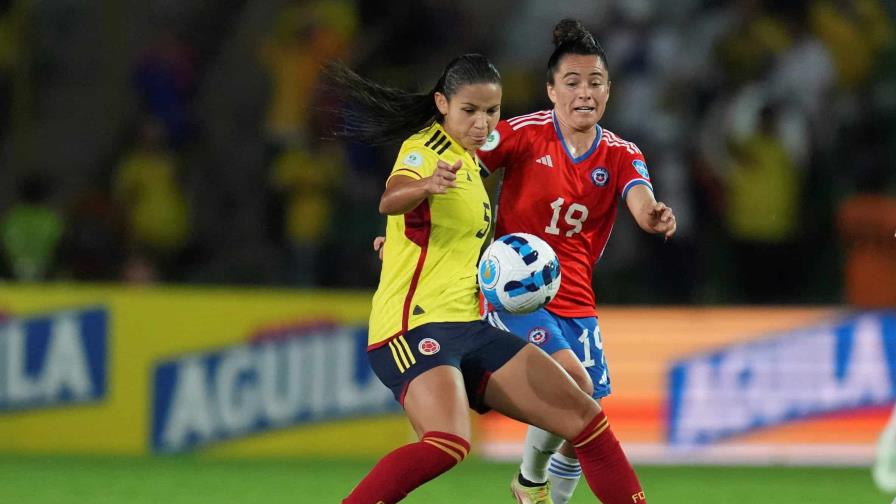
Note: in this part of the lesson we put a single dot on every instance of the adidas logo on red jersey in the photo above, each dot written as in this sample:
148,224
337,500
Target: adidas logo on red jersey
545,160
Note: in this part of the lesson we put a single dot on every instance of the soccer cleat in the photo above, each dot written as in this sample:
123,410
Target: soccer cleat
530,495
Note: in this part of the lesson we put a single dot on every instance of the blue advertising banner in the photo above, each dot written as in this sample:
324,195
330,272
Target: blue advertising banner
842,366
298,376
53,359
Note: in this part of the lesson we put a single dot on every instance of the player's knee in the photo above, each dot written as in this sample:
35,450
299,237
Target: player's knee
585,413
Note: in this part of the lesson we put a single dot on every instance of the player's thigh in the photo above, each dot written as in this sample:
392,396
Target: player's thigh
534,389
584,338
485,350
570,363
422,368
437,401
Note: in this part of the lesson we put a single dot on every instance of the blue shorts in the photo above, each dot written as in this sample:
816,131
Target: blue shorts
552,333
475,348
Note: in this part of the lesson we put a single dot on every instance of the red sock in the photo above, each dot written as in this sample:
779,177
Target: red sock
606,469
408,467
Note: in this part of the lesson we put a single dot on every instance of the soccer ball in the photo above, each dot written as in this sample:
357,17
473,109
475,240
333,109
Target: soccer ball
519,273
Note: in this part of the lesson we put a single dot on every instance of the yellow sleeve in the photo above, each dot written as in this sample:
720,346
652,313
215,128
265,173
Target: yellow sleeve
415,161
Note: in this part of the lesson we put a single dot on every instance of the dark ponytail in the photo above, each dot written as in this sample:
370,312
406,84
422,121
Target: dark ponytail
376,114
571,37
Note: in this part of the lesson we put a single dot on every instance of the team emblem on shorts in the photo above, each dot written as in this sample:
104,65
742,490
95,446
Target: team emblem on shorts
539,336
600,176
494,138
641,168
428,346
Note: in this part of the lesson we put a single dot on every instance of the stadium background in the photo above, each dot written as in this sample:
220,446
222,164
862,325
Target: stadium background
186,265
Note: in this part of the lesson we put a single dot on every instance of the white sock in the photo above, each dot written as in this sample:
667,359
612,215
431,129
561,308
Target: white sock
884,470
564,473
537,451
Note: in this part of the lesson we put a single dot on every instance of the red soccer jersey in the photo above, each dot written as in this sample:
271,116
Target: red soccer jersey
570,202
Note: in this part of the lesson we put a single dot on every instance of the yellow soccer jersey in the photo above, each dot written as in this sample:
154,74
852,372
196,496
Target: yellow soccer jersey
429,260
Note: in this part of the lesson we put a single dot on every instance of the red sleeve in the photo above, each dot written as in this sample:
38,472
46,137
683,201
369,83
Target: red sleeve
631,168
499,149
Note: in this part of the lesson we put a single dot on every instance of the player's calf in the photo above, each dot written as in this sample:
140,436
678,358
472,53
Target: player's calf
605,466
408,467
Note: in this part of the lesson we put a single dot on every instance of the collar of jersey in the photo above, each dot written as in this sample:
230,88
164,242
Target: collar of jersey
455,147
600,134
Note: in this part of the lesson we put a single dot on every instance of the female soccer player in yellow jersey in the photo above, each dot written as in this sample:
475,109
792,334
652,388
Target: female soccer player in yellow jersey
427,342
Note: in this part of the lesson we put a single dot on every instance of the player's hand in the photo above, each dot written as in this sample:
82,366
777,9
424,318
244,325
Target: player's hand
443,178
662,220
378,243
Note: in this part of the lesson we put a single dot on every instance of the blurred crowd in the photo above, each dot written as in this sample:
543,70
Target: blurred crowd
175,142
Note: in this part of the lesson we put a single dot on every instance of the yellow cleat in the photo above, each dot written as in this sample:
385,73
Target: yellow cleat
530,495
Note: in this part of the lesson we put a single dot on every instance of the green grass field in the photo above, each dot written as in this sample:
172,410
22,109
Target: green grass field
176,480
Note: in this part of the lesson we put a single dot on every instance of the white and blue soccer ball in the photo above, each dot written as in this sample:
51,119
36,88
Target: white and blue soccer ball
519,273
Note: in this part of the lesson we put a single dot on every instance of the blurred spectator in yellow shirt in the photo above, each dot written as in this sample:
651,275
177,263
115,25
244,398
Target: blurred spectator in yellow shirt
855,32
305,35
146,186
762,214
749,49
306,179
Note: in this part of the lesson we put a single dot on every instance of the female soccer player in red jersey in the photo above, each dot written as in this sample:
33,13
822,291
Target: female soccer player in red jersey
563,175
427,342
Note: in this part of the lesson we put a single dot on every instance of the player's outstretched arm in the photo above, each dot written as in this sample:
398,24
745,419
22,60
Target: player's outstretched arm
403,194
653,216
